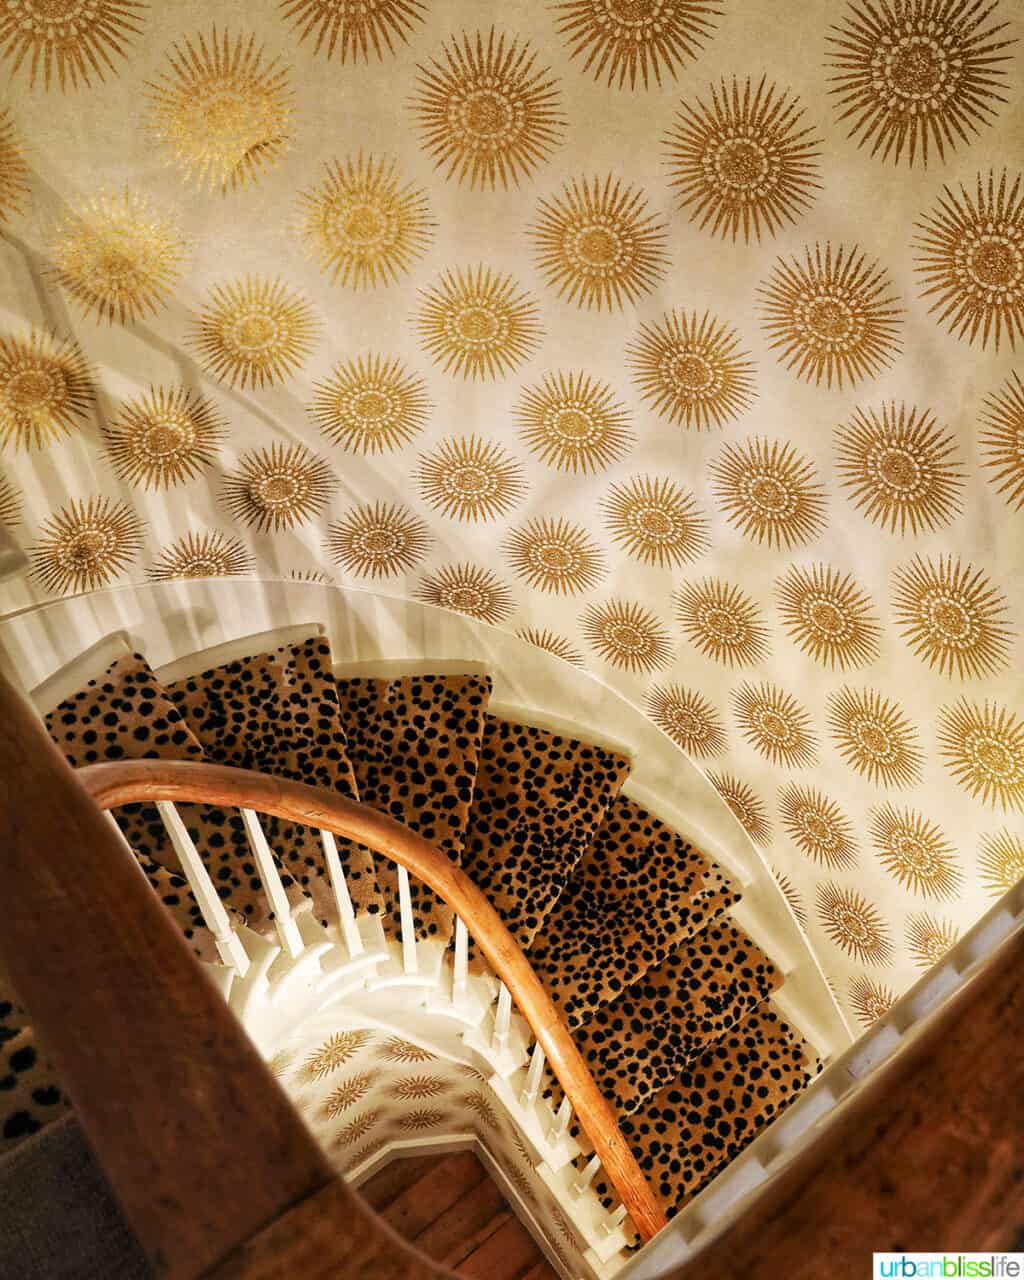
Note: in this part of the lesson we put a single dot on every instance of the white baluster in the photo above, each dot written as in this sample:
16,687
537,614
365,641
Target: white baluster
561,1125
460,969
287,929
532,1085
212,910
342,900
614,1220
410,964
502,1019
587,1176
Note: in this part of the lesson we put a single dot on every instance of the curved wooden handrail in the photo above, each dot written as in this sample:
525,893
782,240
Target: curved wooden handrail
128,782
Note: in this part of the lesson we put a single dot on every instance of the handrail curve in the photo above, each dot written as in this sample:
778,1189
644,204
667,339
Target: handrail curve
128,782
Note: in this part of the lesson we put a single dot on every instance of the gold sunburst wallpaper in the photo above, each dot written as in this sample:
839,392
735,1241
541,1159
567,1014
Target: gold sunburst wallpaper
687,350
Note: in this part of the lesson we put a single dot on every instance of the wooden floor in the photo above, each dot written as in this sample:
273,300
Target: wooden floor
453,1212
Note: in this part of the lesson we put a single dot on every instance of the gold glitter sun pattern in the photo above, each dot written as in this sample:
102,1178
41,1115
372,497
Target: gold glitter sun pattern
769,492
555,555
983,748
254,332
635,42
225,116
353,28
656,521
874,736
85,545
371,404
831,317
828,616
818,827
627,635
749,810
45,387
364,227
118,255
335,1051
10,504
929,938
165,437
477,323
469,589
573,422
278,488
951,616
487,114
796,903
467,478
688,718
691,370
723,622
916,74
915,852
597,245
14,186
743,161
1001,862
775,724
68,43
871,1000
552,643
971,260
206,555
1002,440
854,924
378,540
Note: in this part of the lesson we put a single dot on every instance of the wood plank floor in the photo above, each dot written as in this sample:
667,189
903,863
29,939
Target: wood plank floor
454,1213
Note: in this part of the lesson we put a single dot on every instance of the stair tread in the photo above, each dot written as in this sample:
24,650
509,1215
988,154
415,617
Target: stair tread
452,1235
504,1255
540,800
386,1185
419,1204
639,892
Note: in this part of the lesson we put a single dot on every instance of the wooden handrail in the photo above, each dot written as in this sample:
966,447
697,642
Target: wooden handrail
126,782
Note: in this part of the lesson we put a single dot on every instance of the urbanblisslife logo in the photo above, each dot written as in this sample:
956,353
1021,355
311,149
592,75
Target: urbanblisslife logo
949,1266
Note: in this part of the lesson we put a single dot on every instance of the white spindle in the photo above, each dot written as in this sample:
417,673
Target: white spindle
587,1176
615,1219
342,899
287,929
532,1085
215,917
502,1019
410,964
561,1125
460,970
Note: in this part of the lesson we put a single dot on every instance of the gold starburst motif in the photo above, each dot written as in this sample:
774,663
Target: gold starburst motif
166,436
207,555
597,245
118,254
722,621
796,903
688,718
468,478
854,924
899,468
357,1129
10,504
1001,862
279,487
86,544
774,724
871,1000
832,316
487,113
875,737
363,225
335,1052
627,635
692,371
552,643
971,260
1002,440
915,852
929,938
378,540
573,422
769,492
371,404
254,332
478,323
656,521
951,616
346,1095
914,73
555,555
422,1118
14,186
353,28
818,827
395,1049
744,160
68,42
45,387
416,1087
315,576
748,809
635,40
366,1153
983,749
280,1064
225,115
829,616
482,1109
469,589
